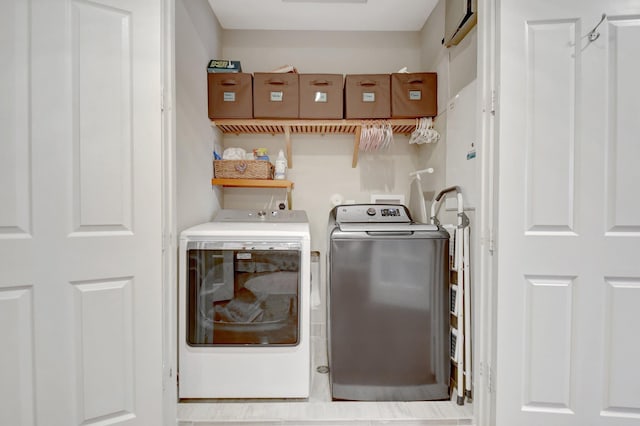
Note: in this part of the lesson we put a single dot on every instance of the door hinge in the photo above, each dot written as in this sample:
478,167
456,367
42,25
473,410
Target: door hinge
166,240
494,102
491,243
486,371
490,386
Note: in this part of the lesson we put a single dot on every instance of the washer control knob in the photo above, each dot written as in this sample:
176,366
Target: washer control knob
262,213
371,211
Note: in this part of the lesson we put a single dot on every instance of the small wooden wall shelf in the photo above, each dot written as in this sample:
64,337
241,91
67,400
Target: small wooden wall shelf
253,183
288,127
257,183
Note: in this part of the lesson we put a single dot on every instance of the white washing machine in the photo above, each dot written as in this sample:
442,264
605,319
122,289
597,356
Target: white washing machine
244,306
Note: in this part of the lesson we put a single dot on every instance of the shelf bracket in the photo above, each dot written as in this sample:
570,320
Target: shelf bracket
287,141
356,146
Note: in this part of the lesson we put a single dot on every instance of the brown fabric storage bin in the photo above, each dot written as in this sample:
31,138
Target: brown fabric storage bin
230,95
242,169
275,95
321,95
414,95
367,96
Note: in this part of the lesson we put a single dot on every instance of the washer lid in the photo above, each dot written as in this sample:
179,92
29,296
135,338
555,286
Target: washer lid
386,227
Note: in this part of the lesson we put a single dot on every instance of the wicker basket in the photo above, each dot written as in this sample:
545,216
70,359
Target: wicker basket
243,169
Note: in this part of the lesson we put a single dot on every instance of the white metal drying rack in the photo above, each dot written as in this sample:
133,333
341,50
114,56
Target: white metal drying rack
461,256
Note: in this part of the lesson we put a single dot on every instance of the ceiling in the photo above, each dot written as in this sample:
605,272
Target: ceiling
323,15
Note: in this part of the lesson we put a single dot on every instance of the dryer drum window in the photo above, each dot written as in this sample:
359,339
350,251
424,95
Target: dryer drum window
243,297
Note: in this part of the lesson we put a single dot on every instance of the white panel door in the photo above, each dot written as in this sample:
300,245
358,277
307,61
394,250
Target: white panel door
569,214
80,212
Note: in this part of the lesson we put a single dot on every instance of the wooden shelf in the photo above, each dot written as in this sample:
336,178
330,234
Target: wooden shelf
277,126
323,127
257,183
253,183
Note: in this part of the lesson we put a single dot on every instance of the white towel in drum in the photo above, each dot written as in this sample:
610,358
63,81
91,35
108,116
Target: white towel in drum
283,282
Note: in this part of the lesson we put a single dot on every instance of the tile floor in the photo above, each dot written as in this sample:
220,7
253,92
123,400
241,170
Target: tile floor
319,409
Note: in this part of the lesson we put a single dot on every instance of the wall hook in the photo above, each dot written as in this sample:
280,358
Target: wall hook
594,33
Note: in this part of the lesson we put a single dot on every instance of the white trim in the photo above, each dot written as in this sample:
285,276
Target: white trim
169,227
486,290
387,198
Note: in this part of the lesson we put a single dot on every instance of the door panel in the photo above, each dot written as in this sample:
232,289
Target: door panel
16,357
550,147
15,146
620,393
547,334
104,345
80,213
102,118
622,148
569,210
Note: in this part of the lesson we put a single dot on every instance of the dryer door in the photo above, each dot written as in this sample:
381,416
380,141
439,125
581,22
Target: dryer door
243,294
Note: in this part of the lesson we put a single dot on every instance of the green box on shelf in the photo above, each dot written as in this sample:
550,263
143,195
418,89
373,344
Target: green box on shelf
223,65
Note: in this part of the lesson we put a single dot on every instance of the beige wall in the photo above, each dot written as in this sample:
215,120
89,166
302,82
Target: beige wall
198,39
324,51
322,164
456,67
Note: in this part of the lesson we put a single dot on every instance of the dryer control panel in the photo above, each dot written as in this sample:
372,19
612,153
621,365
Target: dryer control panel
278,216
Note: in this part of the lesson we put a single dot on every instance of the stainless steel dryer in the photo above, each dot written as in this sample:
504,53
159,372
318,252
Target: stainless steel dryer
388,307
